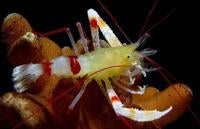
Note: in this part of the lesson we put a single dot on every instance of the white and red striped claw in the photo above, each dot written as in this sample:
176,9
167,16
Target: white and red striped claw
94,31
63,66
105,29
132,113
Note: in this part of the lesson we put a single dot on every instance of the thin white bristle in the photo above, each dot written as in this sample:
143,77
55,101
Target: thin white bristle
83,39
72,41
150,69
142,40
148,52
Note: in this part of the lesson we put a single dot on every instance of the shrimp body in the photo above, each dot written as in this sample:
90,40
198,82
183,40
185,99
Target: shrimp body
79,66
106,57
91,62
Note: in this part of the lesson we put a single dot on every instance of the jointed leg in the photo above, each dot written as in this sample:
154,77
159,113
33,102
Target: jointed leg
132,113
67,30
123,87
53,32
99,82
79,95
121,83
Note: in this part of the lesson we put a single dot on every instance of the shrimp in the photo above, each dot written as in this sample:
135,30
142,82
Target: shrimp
125,56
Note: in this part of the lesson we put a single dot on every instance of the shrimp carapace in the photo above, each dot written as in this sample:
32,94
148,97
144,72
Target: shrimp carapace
79,66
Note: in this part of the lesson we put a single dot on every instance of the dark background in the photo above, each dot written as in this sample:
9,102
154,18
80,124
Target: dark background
174,38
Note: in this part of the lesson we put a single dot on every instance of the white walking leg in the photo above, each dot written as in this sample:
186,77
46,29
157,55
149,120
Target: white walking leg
131,91
78,96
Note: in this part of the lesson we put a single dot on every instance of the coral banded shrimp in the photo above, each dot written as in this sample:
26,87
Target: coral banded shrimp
79,66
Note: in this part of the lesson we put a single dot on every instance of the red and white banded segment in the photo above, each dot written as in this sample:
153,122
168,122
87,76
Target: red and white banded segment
61,66
24,75
105,29
133,113
66,66
94,31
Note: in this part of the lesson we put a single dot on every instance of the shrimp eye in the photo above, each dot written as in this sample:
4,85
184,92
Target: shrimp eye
128,56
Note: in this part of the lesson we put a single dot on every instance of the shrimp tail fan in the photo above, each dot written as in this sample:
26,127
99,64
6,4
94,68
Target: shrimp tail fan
24,75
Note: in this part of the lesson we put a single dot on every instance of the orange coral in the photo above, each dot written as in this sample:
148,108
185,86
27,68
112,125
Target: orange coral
13,27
